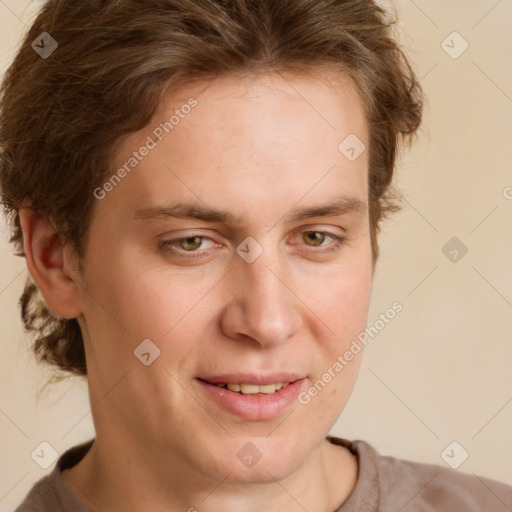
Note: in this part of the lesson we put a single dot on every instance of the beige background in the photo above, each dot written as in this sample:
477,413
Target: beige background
441,371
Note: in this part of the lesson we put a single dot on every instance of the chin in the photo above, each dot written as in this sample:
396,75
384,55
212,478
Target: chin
258,459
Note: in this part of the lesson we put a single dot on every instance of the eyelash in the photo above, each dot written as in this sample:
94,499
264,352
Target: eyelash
170,245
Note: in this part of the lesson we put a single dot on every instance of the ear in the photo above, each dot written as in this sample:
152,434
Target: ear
49,262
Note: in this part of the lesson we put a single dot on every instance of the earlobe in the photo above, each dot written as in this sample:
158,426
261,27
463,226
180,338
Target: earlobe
47,263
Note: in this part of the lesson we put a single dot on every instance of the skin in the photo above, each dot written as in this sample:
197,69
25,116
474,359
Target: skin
254,147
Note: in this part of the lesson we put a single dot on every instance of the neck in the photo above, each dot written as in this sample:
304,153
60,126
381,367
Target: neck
118,479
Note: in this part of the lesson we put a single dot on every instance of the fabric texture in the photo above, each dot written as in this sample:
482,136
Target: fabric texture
384,484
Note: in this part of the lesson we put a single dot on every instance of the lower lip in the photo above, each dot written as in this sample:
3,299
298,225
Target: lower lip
253,407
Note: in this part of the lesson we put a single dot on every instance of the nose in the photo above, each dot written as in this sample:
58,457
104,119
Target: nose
262,307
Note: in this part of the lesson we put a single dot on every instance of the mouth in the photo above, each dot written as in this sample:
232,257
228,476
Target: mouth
252,397
251,389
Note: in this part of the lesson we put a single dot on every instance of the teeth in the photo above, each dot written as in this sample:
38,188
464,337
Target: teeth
268,388
252,389
249,389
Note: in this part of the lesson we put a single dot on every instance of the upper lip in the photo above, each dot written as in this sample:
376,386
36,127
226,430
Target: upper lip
252,378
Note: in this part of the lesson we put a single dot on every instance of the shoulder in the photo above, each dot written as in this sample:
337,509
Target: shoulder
420,486
42,496
388,484
50,492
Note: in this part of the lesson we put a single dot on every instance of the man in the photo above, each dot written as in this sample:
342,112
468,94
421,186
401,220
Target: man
200,213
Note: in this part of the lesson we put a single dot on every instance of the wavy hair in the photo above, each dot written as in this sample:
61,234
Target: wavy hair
62,117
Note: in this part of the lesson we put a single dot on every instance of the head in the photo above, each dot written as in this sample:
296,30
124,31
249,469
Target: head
205,243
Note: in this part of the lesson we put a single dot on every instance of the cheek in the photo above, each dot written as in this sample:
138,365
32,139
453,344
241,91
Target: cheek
335,389
171,309
340,298
341,301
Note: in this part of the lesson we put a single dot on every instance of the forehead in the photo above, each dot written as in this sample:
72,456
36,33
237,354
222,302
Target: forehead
298,104
251,139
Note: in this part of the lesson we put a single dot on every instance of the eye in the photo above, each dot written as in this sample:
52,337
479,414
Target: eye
198,245
317,238
187,244
191,243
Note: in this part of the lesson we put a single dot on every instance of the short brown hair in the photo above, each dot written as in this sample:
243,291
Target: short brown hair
62,117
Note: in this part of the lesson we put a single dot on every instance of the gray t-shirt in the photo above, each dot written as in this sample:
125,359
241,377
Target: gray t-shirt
384,484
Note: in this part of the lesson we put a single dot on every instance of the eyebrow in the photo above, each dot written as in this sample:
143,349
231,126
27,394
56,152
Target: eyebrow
339,206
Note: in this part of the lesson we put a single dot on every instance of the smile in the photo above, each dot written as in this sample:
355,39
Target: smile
262,398
252,389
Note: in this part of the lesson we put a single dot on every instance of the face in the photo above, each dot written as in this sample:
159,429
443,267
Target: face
238,247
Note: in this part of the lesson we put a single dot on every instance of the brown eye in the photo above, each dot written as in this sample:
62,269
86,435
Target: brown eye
319,241
191,243
315,237
187,246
